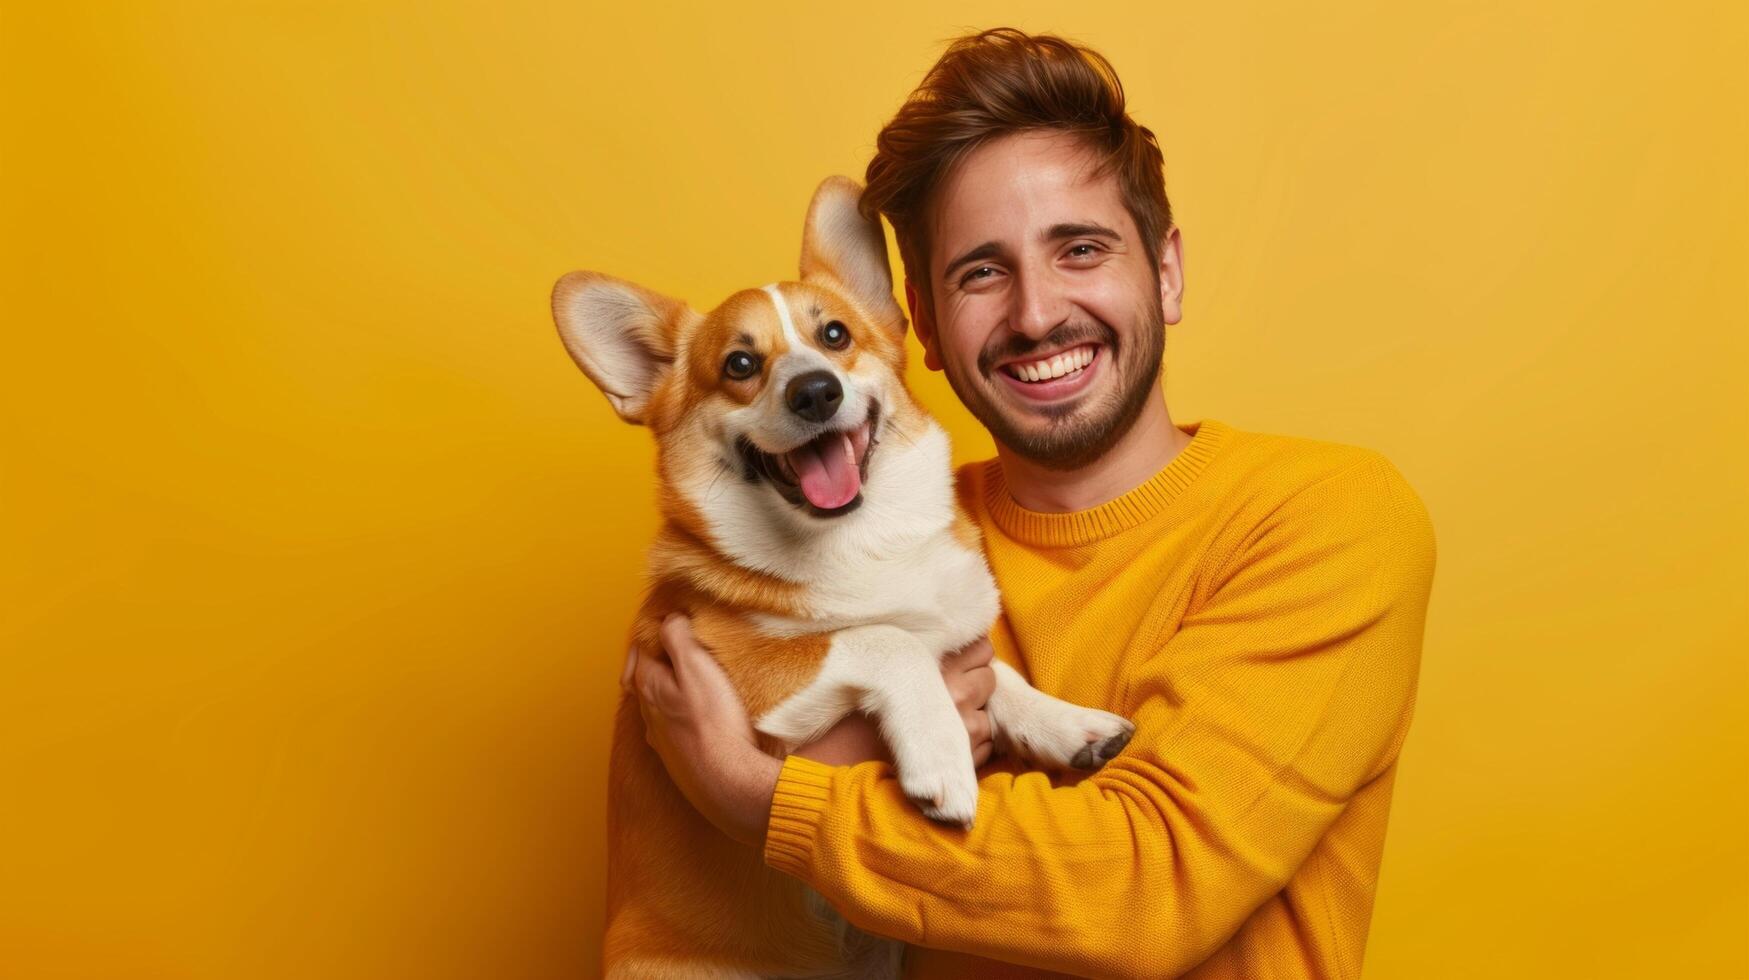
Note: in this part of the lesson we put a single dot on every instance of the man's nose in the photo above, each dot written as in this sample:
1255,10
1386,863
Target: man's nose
1039,303
814,395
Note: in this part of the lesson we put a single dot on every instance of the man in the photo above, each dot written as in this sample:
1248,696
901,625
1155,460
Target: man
1253,603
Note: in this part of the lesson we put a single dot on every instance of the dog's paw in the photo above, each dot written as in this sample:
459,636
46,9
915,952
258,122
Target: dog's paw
1061,735
944,792
1096,754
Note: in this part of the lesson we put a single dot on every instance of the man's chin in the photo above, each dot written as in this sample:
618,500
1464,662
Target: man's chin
1064,437
1043,425
1058,435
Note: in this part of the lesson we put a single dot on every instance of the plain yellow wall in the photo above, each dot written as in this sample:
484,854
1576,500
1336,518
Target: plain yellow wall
319,552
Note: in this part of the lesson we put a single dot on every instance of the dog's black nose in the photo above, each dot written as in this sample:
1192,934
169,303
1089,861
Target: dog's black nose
814,395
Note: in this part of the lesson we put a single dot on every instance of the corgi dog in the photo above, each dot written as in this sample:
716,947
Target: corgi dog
811,532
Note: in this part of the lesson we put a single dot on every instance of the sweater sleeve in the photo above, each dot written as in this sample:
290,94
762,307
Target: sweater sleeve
1287,687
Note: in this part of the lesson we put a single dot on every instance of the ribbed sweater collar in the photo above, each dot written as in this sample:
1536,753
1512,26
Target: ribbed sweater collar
1080,527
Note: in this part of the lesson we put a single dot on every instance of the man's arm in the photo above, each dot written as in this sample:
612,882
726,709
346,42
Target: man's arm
1287,690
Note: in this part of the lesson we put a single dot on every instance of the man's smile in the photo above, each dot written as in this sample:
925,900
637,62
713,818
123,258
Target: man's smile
1055,364
1055,377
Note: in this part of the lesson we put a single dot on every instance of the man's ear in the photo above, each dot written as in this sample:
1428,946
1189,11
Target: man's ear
924,324
1172,276
621,334
839,245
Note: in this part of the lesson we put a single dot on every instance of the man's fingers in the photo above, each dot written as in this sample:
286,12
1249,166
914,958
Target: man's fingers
972,688
678,641
984,684
973,655
982,733
978,727
654,680
982,752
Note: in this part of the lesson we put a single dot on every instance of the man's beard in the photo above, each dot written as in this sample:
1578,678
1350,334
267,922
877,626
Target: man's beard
1077,432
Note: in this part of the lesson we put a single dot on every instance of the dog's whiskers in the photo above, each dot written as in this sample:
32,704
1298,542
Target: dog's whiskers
723,466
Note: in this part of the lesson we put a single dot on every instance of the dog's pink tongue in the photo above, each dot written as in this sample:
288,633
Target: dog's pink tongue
827,471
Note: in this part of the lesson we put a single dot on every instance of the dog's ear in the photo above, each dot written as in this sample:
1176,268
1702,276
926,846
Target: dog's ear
621,334
838,244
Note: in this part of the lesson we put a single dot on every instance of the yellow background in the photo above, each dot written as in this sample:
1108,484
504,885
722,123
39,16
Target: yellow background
319,552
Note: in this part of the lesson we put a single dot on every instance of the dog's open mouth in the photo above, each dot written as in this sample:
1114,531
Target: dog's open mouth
825,475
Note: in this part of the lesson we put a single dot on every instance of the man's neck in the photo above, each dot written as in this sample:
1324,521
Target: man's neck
1144,450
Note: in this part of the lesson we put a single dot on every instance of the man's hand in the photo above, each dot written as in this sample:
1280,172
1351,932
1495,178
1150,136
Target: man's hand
969,678
696,722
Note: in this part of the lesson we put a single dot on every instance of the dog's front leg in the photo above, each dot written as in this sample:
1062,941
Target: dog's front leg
1049,731
886,672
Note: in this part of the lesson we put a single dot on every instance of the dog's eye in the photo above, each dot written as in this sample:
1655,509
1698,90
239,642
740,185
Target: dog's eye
740,365
835,335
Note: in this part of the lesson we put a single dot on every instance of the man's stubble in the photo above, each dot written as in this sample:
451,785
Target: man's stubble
1077,433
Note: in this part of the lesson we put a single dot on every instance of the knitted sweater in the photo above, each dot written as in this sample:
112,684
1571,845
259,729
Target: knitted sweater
1256,608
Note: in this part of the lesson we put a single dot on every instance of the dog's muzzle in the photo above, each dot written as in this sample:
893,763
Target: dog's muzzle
824,475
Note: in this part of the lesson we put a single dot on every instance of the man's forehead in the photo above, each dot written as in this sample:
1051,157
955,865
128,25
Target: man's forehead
1018,187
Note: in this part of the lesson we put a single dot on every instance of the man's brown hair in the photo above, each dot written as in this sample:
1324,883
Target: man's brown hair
992,84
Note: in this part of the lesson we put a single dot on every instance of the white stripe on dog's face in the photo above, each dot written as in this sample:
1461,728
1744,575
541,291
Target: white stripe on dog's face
767,420
789,326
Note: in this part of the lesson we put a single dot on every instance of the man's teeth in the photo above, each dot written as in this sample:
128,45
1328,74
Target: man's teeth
1050,368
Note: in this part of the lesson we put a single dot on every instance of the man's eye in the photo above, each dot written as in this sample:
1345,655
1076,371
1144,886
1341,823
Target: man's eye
974,273
740,365
835,335
1090,250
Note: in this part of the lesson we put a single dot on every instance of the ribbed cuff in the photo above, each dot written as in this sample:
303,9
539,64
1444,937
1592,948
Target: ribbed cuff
796,808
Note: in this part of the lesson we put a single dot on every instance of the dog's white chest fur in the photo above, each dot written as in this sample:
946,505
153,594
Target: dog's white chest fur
940,592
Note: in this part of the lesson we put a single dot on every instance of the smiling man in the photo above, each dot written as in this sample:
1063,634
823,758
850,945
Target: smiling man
1254,603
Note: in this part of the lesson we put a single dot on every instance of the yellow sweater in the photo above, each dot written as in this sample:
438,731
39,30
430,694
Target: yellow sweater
1256,608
